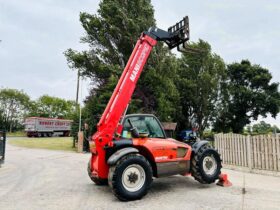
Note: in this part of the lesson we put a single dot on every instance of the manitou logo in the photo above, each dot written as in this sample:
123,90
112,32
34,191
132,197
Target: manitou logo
139,63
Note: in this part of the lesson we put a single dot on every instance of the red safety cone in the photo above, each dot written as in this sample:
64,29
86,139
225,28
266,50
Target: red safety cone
223,181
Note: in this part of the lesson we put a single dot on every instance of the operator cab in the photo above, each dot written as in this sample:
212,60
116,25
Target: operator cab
141,126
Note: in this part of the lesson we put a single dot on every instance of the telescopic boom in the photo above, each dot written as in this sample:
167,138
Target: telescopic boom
109,126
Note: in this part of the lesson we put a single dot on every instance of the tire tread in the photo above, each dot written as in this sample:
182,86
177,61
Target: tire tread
113,176
196,170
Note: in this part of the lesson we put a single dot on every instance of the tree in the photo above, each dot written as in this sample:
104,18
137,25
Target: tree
275,129
53,107
262,128
14,105
199,80
2,122
111,36
247,95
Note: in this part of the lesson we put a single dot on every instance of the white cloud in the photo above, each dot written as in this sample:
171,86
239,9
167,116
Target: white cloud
34,36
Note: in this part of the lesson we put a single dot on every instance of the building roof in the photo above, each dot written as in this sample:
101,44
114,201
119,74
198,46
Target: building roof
169,126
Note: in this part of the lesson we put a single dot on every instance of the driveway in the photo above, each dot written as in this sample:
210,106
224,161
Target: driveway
44,179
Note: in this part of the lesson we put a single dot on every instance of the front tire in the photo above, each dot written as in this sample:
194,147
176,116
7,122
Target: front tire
131,177
206,165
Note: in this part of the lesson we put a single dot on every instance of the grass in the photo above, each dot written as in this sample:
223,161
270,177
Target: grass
54,143
16,134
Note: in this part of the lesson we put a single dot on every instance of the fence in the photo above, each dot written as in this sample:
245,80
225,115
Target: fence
2,146
255,152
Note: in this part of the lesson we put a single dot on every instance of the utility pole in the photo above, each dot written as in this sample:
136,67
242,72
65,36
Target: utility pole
79,108
77,100
77,92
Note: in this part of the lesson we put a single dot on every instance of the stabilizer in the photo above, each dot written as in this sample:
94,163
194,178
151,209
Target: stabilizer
223,181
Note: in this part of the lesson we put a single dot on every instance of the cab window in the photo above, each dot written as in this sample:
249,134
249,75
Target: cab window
144,124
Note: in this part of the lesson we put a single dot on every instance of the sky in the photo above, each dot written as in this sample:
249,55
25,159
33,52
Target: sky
34,34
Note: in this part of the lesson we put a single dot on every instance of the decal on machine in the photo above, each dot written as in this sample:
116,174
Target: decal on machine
139,63
161,158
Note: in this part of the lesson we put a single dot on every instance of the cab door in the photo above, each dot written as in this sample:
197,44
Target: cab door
169,154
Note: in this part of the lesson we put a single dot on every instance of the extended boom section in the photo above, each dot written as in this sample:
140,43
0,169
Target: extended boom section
109,126
120,98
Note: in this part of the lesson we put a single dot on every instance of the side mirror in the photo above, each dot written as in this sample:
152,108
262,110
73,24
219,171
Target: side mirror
134,132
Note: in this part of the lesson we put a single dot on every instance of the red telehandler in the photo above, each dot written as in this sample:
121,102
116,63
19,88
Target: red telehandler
128,151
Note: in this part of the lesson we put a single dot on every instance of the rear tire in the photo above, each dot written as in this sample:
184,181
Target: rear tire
206,165
131,177
96,180
66,133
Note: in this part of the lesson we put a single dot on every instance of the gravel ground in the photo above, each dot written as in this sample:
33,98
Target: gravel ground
44,179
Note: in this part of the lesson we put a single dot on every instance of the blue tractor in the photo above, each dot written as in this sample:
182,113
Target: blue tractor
188,136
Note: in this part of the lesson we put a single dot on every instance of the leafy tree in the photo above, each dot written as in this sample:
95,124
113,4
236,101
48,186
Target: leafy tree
2,122
199,80
262,128
248,129
14,105
275,129
111,35
247,95
53,107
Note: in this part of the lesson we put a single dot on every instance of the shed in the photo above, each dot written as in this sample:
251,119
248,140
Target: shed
169,128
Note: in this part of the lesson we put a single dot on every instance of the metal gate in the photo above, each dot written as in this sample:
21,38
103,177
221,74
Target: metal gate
2,146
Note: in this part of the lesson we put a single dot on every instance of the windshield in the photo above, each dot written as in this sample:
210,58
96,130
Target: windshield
144,124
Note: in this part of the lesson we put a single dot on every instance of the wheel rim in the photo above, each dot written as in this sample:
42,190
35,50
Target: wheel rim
209,165
133,178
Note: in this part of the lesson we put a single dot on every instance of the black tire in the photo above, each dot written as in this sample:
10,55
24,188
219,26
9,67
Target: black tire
96,180
197,169
66,133
117,181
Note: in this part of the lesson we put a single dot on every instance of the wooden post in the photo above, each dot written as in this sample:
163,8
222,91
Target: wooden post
234,138
239,149
222,148
274,153
80,141
245,161
259,152
216,142
278,151
231,151
270,153
249,152
228,150
262,145
266,141
255,156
